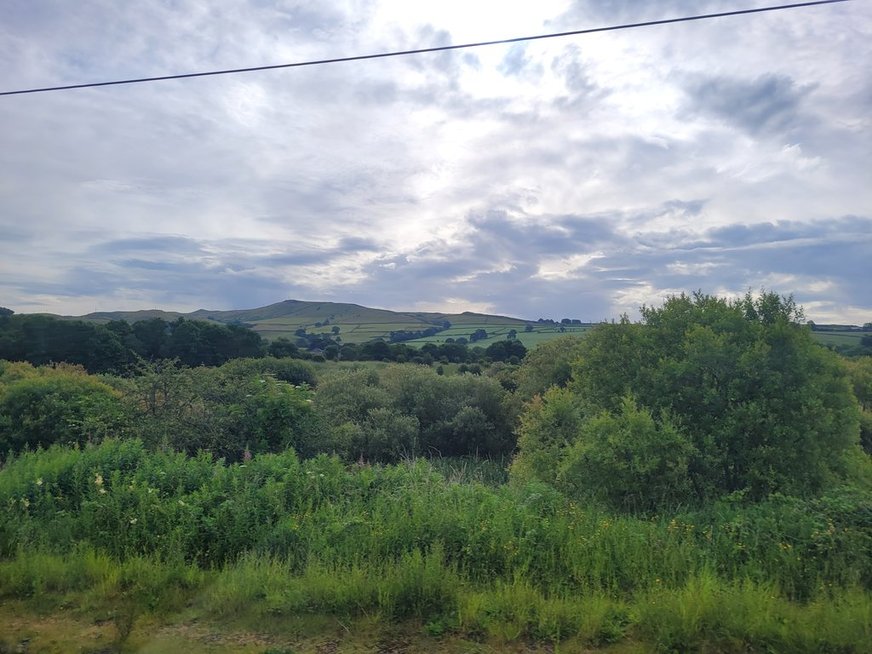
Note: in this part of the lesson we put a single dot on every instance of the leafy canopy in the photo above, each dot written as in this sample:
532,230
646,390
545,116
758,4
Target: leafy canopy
732,395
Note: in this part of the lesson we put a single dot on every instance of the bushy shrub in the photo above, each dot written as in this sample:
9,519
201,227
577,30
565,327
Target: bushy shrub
225,411
629,460
764,408
428,413
62,404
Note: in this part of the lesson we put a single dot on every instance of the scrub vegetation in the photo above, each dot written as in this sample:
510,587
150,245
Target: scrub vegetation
694,482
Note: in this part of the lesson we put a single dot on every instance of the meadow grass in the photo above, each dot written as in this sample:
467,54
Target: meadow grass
838,338
444,544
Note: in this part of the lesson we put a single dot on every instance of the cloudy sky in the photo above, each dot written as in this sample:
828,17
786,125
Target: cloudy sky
577,177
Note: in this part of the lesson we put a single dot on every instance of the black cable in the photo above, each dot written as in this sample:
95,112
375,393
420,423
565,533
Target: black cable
401,53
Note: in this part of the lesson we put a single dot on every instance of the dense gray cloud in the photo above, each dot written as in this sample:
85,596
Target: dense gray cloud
769,104
577,177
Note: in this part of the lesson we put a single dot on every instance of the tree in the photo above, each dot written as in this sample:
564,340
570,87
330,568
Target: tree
629,460
860,373
477,335
765,408
548,364
282,348
224,411
506,350
549,425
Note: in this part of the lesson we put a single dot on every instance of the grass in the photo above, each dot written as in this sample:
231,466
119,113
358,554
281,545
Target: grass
445,551
838,337
359,324
497,332
258,603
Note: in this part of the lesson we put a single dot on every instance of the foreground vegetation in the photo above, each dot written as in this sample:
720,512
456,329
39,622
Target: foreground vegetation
694,483
276,536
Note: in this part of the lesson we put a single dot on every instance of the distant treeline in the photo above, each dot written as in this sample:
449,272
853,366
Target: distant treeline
114,346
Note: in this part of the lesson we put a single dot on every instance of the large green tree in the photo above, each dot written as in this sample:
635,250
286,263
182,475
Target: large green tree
761,406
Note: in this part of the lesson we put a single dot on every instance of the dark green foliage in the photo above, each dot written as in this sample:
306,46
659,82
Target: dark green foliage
293,371
44,339
433,414
242,406
124,501
629,461
506,351
112,347
201,343
282,347
548,364
860,374
761,406
39,407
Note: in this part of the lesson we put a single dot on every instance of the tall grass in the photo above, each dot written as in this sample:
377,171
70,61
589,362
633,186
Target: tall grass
277,535
127,502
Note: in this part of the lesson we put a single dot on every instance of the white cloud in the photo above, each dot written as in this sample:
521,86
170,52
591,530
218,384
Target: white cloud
650,134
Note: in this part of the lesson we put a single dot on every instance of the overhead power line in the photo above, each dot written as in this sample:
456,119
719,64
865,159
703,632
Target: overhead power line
441,48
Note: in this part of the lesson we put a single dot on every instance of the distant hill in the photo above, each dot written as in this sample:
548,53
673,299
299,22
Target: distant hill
356,323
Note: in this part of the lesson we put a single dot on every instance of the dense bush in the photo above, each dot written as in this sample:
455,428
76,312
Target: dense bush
225,411
427,414
629,460
61,404
749,402
120,499
860,374
548,364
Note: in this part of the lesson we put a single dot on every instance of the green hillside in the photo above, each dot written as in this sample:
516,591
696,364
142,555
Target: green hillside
357,324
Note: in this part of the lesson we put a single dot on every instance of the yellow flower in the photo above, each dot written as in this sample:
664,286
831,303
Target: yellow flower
98,479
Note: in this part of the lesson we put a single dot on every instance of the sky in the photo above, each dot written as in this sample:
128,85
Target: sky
575,177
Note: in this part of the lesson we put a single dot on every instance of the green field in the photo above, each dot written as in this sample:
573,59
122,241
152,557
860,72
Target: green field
498,332
839,337
359,324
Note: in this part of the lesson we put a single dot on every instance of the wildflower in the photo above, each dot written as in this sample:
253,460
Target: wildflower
98,480
133,521
246,456
39,481
25,502
102,491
